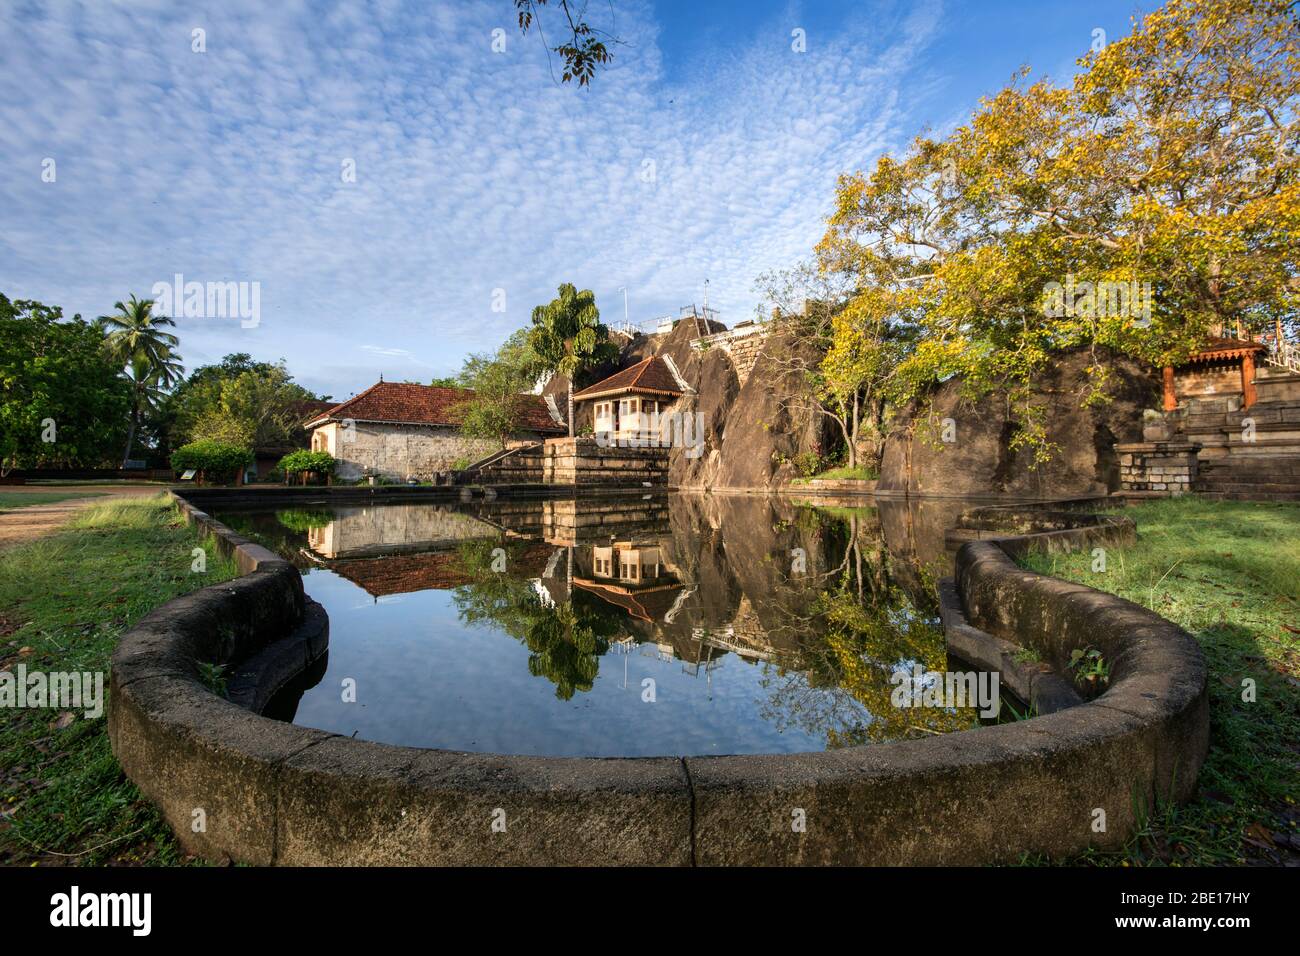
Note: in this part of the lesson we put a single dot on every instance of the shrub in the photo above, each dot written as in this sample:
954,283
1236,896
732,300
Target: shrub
304,519
807,463
213,460
303,462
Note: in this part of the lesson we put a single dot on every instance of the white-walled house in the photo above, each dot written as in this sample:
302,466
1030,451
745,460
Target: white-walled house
635,402
402,430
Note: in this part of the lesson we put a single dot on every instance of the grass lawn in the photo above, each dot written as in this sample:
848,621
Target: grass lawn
22,499
64,602
1228,572
842,473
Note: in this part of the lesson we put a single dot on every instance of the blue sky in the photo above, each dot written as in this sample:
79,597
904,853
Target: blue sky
707,150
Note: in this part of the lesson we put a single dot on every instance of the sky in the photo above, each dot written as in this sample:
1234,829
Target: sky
400,183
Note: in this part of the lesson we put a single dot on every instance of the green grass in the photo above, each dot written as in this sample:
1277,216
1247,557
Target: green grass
22,499
64,602
1228,572
842,473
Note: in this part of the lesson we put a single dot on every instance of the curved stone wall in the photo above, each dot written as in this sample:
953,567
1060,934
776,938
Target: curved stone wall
275,793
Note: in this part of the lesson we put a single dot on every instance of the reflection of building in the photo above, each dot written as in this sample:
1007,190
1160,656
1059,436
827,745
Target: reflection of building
632,577
394,529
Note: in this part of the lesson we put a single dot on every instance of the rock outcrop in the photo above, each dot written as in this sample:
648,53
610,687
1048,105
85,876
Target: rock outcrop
979,459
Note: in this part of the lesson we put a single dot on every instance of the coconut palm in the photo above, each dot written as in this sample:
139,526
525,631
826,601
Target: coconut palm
135,337
568,337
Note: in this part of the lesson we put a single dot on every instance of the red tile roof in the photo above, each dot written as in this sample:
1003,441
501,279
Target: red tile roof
413,404
432,571
648,375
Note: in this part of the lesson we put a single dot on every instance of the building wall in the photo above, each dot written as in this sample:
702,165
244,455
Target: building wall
742,345
399,452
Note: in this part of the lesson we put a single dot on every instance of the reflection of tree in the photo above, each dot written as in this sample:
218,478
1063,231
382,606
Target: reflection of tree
566,641
304,519
855,628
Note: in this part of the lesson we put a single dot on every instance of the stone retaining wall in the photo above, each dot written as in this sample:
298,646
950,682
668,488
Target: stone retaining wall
1160,466
274,793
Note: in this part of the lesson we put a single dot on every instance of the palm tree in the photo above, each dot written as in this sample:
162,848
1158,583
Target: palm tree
568,338
135,338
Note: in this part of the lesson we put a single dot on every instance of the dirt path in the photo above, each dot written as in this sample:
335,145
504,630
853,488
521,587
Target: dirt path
35,521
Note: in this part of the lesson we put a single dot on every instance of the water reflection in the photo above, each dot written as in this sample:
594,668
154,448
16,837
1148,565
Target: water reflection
632,626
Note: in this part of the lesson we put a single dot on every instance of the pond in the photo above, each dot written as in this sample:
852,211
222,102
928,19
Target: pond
661,625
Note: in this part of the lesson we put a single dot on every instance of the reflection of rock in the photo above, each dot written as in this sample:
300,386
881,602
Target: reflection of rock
980,461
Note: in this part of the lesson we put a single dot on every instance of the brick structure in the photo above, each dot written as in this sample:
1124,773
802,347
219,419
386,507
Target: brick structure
1163,467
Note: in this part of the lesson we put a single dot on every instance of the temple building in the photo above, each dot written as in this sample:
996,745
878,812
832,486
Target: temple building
635,402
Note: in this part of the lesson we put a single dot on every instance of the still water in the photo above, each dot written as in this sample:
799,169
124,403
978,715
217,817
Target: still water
669,625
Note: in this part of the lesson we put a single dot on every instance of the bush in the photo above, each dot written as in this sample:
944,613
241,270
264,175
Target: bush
213,460
304,519
807,463
304,462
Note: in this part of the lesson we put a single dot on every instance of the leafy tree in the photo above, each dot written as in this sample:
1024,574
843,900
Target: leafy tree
1170,160
446,381
568,339
55,371
850,348
255,404
135,339
212,459
499,382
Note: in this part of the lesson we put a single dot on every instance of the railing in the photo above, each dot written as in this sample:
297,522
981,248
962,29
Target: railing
1284,354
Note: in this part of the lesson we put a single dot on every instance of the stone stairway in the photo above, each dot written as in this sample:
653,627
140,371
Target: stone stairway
1252,453
1258,477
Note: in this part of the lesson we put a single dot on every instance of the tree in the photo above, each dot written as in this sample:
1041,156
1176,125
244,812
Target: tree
62,401
583,51
568,338
1168,167
135,339
849,345
499,381
239,400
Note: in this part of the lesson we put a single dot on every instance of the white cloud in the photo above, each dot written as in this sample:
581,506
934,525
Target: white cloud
474,171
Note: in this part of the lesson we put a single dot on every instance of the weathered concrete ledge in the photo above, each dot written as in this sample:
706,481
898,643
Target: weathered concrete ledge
275,793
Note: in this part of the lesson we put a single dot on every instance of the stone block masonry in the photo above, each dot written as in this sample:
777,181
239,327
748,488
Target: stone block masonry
1163,467
742,345
581,461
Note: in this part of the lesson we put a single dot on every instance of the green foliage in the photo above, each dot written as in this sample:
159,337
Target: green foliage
70,597
135,340
567,337
498,381
806,463
238,401
303,519
213,460
301,461
52,369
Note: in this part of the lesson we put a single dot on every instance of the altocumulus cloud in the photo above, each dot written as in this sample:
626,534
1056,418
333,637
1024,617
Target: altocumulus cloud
474,170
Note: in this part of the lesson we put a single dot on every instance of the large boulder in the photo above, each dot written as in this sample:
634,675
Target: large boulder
979,459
